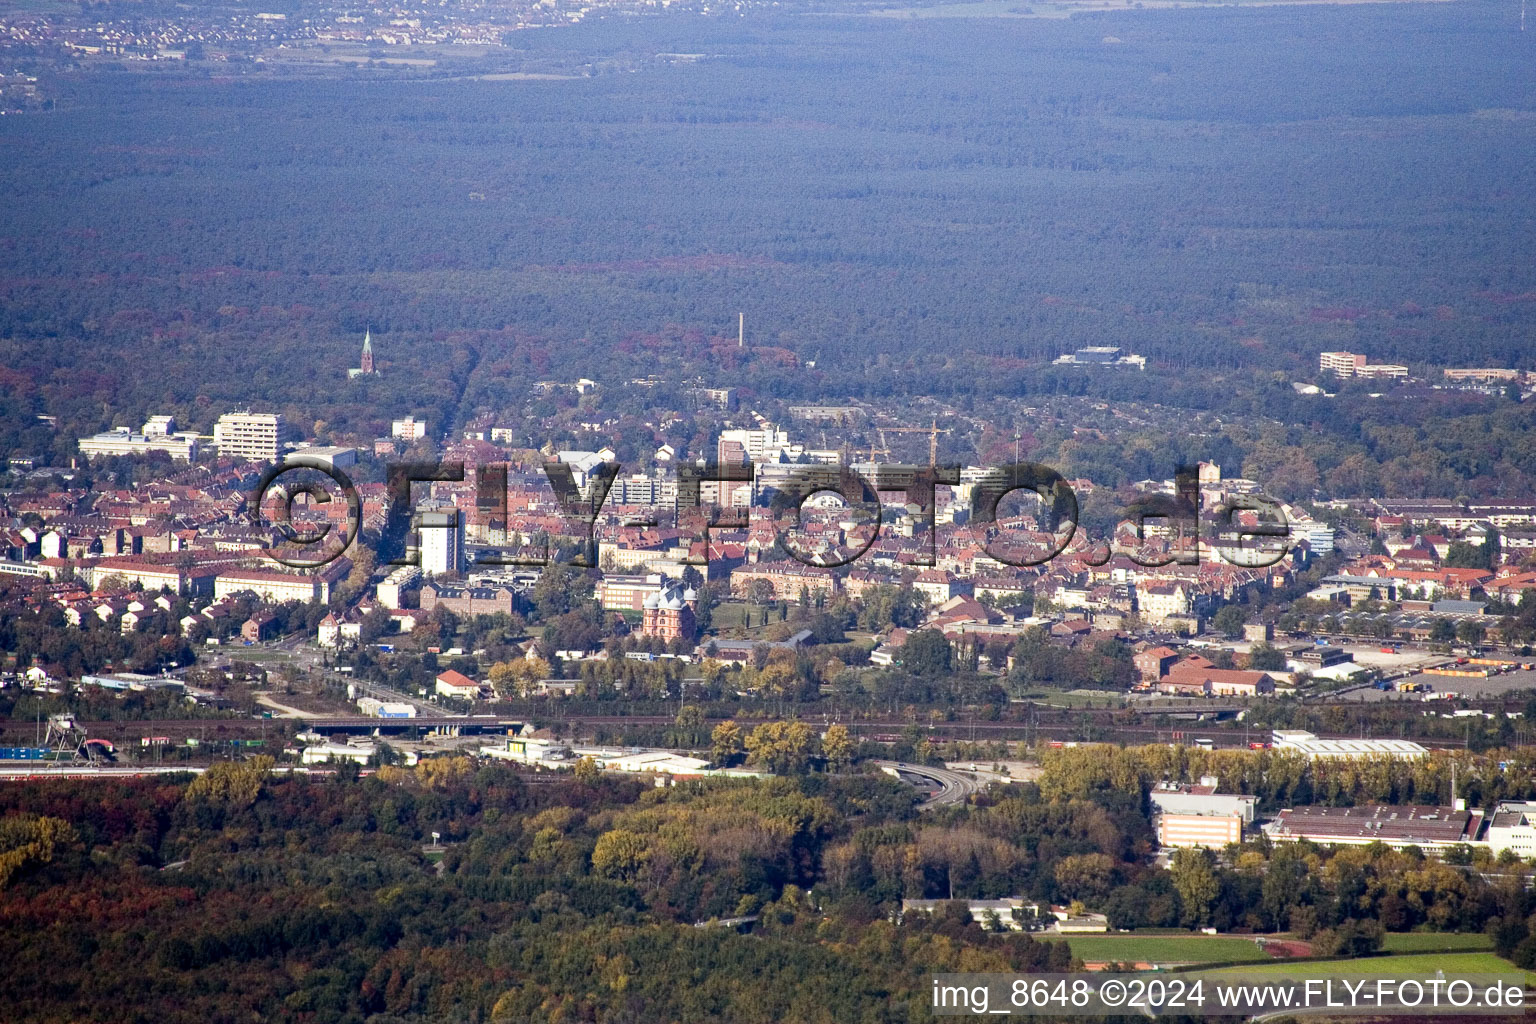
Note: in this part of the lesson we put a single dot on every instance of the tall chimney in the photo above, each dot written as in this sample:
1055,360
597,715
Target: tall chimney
741,330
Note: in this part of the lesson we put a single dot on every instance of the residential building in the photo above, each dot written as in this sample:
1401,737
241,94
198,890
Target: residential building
758,445
1158,602
394,586
408,429
276,587
257,436
152,576
442,542
260,626
938,585
786,579
641,489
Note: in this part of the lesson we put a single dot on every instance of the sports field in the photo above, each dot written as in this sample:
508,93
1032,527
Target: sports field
1165,949
1195,949
1421,965
1422,942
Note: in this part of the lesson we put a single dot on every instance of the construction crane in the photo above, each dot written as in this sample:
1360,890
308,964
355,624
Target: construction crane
874,450
933,433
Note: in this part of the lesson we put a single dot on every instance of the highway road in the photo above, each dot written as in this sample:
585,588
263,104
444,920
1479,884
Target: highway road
954,787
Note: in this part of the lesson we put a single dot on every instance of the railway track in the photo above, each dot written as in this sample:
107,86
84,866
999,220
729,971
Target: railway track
1076,725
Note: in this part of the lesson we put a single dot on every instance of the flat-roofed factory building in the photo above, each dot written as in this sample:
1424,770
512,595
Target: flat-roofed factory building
1432,829
1302,742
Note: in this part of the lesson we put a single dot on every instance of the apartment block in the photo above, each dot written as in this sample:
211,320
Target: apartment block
257,436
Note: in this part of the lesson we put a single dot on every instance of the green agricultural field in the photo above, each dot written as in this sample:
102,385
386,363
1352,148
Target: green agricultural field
1421,965
1166,949
1429,942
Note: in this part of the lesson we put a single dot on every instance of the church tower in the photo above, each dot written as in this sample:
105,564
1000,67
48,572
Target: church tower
366,369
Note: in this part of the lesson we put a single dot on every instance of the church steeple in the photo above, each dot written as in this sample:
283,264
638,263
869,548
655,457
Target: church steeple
366,369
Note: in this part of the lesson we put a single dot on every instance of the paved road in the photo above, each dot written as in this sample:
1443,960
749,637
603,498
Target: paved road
954,787
283,710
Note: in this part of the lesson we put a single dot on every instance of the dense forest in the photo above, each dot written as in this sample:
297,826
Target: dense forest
243,894
938,207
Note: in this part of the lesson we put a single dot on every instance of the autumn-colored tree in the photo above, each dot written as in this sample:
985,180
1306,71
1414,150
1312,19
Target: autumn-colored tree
620,854
1086,876
441,773
236,783
518,677
837,746
27,841
784,748
1195,881
725,743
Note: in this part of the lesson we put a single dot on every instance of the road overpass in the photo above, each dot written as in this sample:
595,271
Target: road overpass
953,787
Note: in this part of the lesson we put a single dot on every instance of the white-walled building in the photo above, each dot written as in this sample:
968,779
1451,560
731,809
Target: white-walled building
272,586
396,584
1302,742
456,684
158,434
1190,816
1513,827
1432,829
320,753
759,445
408,429
442,542
250,435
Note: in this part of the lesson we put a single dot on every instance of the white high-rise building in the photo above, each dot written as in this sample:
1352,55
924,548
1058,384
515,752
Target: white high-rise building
442,542
250,435
408,429
759,445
